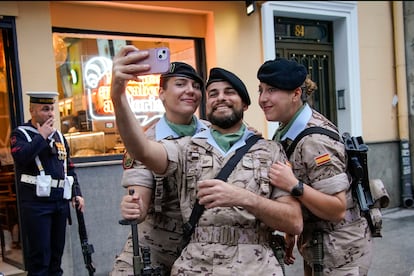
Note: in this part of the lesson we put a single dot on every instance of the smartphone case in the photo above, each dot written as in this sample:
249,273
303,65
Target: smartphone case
158,59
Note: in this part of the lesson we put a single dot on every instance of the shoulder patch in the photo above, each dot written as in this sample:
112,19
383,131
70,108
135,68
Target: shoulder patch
322,159
127,161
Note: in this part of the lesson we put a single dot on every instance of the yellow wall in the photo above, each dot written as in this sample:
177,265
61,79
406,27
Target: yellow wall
34,38
233,41
379,117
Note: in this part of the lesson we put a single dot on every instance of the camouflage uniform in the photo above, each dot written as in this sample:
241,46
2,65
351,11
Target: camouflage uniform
347,244
227,241
162,229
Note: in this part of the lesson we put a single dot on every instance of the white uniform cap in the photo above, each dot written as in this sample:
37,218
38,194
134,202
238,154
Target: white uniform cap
42,97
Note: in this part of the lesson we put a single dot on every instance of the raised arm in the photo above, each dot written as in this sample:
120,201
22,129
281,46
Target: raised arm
124,69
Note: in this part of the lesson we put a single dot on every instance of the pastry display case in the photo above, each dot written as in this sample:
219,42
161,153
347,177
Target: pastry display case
86,144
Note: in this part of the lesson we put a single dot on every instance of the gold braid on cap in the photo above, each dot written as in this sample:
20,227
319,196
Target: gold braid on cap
42,100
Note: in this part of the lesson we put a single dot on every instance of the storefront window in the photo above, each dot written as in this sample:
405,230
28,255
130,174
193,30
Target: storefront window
83,67
10,242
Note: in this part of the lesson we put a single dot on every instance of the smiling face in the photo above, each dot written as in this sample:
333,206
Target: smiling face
181,97
279,105
225,107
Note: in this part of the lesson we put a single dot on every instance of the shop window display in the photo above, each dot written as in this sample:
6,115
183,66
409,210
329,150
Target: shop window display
83,67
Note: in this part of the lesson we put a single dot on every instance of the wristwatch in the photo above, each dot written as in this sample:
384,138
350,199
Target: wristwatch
297,191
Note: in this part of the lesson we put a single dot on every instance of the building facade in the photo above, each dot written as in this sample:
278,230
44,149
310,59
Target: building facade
359,52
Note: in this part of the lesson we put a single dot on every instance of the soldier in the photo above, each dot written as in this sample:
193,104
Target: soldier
335,235
181,90
46,183
232,235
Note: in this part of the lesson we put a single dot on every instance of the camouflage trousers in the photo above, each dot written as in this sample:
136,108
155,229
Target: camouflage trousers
227,251
347,249
164,249
217,259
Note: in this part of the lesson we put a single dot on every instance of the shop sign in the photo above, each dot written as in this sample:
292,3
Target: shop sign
142,94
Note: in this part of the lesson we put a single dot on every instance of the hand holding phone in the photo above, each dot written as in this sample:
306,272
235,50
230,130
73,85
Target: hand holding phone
158,59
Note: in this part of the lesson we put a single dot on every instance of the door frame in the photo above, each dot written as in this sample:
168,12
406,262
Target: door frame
344,18
14,92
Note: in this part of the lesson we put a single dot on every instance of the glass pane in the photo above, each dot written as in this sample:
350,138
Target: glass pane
5,128
11,251
83,67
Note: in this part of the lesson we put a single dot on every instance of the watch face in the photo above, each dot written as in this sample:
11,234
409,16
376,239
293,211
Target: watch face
297,190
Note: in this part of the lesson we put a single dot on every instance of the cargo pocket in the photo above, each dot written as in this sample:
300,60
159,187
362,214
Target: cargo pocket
255,174
345,245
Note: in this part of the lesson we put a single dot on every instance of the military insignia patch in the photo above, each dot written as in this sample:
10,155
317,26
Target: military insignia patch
322,159
127,161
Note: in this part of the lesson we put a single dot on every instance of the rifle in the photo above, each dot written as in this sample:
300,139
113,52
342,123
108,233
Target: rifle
142,266
317,245
87,249
358,166
278,245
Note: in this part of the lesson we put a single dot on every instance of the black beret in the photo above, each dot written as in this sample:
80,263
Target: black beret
220,74
282,73
181,69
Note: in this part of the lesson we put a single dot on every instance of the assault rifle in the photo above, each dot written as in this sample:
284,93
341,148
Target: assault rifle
369,202
358,166
317,249
142,266
87,249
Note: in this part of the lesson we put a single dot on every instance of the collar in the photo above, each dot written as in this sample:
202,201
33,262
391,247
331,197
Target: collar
163,130
206,134
299,124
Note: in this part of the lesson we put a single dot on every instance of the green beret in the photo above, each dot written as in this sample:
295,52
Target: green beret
220,74
282,73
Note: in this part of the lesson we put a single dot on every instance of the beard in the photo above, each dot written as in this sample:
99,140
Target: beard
226,121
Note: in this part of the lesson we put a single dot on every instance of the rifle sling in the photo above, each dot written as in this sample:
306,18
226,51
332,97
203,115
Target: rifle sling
198,209
317,267
310,130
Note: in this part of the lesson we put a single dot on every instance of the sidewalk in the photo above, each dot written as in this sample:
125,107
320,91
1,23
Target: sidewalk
393,253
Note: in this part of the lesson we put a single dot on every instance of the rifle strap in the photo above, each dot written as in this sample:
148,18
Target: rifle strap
310,130
198,209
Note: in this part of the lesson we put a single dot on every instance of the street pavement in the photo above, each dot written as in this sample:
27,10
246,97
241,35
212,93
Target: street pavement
393,253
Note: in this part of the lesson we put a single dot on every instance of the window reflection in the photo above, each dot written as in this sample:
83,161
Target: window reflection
83,67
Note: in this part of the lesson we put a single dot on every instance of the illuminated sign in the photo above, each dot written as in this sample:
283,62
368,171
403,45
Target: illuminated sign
142,95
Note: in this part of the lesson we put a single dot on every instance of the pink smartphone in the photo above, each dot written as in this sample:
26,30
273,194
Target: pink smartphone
158,59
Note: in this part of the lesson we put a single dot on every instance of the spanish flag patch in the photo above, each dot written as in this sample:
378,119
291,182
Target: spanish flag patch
322,159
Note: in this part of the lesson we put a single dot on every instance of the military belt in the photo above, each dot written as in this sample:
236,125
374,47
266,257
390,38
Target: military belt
30,179
228,235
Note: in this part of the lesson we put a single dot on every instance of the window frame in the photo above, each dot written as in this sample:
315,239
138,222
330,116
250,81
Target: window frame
200,60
